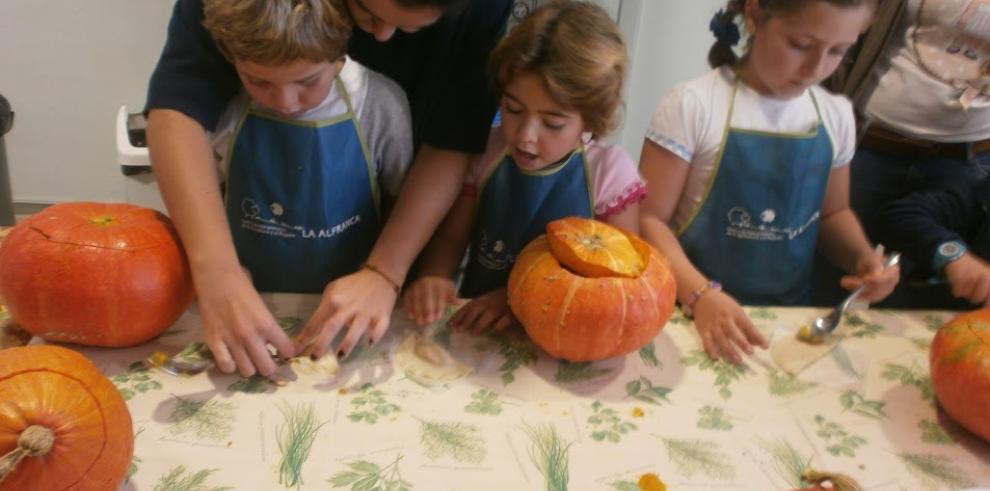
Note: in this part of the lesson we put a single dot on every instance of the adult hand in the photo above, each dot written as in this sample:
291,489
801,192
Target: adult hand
969,277
870,271
427,298
724,327
486,312
236,323
363,301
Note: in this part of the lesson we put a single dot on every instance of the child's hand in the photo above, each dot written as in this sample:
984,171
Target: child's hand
236,323
362,300
870,272
427,298
489,311
969,277
725,328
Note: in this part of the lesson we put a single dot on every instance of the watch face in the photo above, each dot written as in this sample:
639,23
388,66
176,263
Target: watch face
950,249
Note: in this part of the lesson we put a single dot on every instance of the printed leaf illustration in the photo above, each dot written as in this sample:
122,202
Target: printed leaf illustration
178,480
135,460
931,432
713,418
256,384
934,322
295,440
364,475
923,344
852,401
606,425
210,420
370,404
909,376
568,372
783,384
859,328
137,380
935,471
484,402
517,350
642,389
290,325
648,354
461,442
725,372
840,443
787,462
195,353
624,486
678,318
762,313
841,357
549,454
698,456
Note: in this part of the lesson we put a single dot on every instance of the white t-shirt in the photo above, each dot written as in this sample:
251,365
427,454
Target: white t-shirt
911,99
690,123
382,112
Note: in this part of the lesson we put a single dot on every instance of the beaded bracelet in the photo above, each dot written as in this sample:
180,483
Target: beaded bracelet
710,286
393,283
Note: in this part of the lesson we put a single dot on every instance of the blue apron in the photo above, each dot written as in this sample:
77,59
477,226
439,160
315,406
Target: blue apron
757,228
302,199
514,207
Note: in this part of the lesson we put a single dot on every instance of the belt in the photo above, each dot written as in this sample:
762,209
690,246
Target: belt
884,140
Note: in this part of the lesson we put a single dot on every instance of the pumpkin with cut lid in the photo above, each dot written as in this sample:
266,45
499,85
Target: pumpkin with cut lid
589,291
96,274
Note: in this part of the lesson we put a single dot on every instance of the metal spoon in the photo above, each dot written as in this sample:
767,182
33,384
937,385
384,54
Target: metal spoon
824,325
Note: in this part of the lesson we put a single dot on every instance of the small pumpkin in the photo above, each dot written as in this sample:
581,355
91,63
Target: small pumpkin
96,274
959,360
63,424
589,291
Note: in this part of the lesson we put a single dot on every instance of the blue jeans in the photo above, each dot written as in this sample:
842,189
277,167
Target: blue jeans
878,178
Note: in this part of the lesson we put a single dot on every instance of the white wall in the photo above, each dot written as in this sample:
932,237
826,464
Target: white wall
671,46
67,65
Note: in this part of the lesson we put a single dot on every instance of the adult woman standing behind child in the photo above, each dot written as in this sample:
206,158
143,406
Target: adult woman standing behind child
747,170
560,72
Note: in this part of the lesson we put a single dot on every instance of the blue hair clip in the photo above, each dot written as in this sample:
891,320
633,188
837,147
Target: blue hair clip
726,31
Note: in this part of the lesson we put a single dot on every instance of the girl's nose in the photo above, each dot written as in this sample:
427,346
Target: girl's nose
286,102
528,131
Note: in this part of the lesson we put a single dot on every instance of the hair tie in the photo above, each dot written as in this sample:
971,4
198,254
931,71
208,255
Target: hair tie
724,28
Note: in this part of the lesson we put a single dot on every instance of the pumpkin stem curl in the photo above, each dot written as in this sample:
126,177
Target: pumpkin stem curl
35,441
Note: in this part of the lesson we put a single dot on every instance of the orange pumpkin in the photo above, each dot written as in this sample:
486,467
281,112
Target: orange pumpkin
63,424
959,360
95,274
588,291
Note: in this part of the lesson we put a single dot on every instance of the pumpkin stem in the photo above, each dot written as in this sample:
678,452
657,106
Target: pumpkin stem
35,441
102,221
840,482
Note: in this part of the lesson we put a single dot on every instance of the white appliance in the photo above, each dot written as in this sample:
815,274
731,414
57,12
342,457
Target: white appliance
132,156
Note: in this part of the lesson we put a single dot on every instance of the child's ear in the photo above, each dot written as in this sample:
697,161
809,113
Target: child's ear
752,14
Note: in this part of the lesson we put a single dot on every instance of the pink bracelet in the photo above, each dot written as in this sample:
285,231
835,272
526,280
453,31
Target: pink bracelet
710,286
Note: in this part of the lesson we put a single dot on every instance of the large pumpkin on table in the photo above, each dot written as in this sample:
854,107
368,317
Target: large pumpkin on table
95,274
588,291
63,424
960,368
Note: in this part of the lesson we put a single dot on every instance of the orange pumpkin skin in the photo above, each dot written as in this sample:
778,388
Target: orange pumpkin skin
959,360
96,274
578,318
62,390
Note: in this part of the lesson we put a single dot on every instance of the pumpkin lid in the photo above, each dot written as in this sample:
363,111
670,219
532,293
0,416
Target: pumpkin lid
104,225
594,249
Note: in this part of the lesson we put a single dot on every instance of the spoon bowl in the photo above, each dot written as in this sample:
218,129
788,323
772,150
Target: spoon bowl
826,324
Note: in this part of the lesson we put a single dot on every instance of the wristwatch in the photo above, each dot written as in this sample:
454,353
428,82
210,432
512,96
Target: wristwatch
946,252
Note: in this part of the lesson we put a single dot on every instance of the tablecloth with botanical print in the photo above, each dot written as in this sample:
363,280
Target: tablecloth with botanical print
524,421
